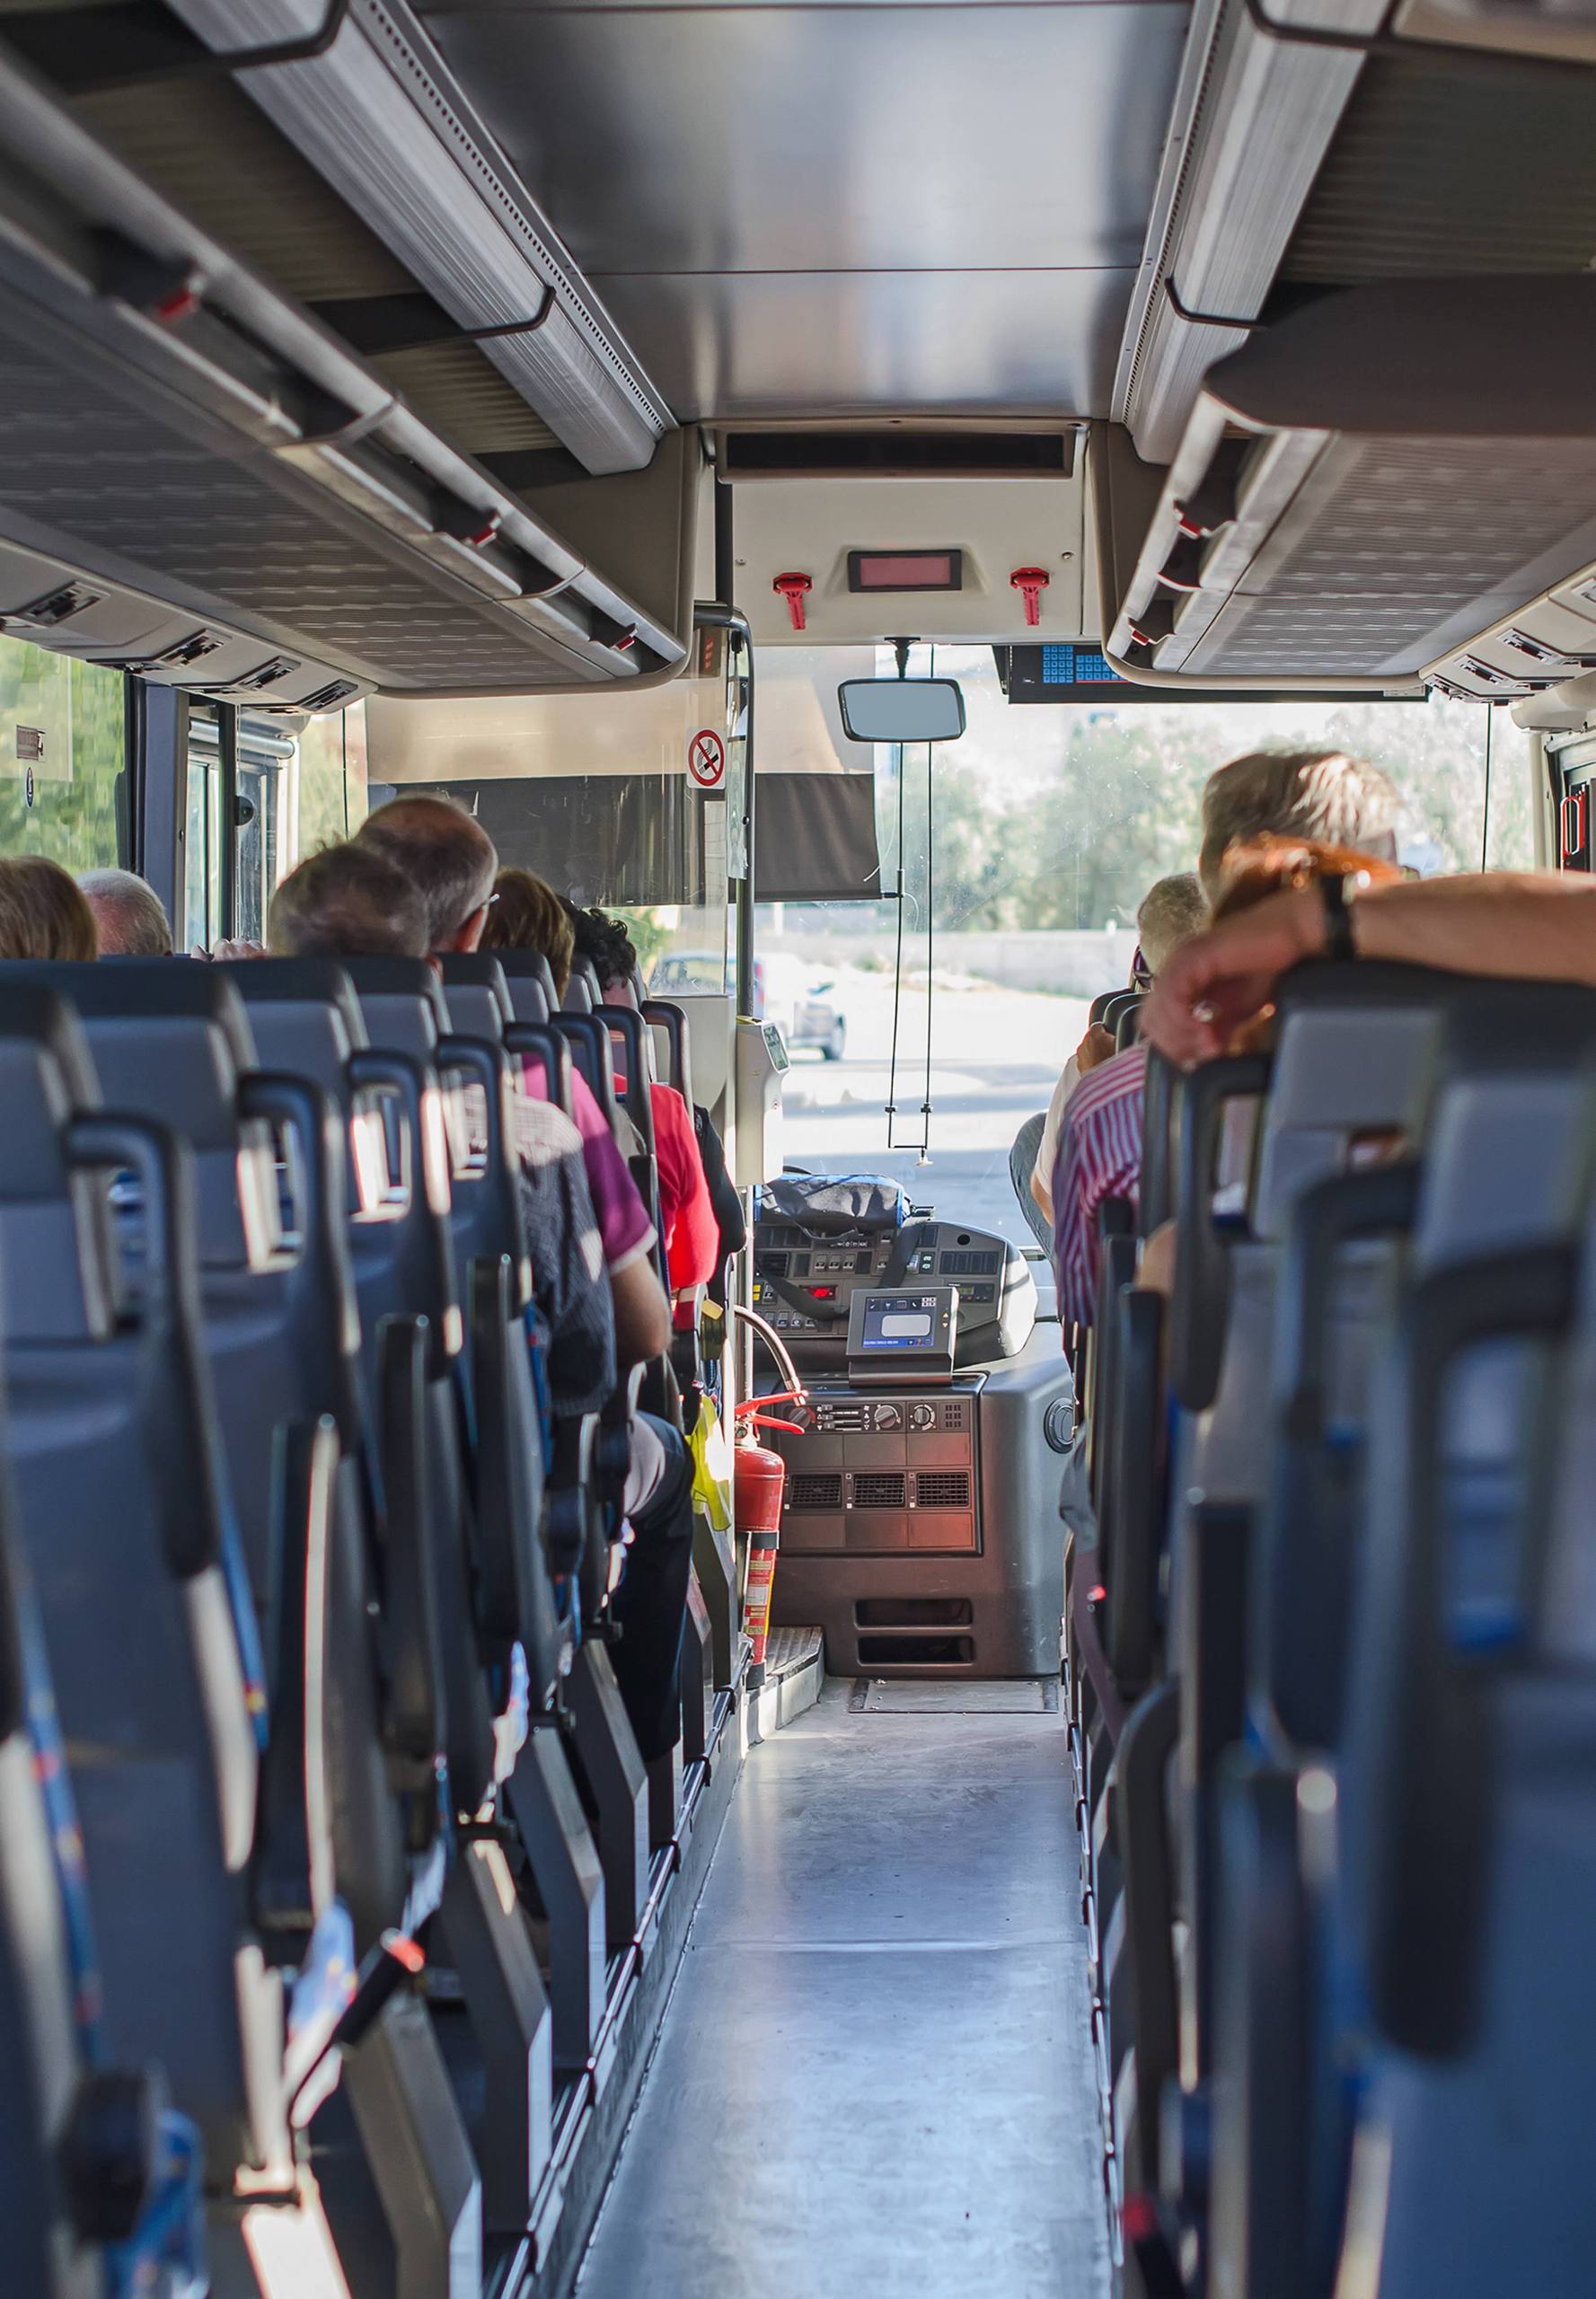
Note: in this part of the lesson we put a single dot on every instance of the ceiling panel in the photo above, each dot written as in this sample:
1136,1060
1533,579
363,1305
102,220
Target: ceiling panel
780,138
822,210
768,344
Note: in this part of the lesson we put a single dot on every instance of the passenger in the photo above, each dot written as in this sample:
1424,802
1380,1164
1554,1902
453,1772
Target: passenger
1171,909
691,1234
453,864
1292,794
1256,869
1531,925
347,902
527,914
351,902
129,914
42,911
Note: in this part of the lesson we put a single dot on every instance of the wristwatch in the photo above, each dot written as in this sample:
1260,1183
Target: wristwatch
1338,917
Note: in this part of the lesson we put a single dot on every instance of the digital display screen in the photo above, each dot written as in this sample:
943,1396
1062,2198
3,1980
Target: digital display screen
903,1321
1069,665
905,570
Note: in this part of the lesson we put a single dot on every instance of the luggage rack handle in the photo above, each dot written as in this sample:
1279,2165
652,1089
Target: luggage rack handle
426,1212
1417,1725
487,1064
323,1271
163,1164
414,1719
1199,1309
1303,1589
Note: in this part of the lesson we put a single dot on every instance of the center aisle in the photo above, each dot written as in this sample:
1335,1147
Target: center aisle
876,2072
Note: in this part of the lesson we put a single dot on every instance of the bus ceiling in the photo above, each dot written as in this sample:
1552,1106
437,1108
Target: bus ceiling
1248,344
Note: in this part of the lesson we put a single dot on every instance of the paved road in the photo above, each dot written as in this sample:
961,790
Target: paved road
995,1056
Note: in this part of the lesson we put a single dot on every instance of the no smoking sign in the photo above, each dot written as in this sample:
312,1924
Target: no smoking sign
706,759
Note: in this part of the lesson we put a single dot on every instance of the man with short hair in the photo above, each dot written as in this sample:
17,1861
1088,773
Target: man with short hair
128,915
452,862
1295,794
448,858
348,901
1305,794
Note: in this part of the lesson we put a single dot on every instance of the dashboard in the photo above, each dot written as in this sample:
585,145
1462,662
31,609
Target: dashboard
805,1284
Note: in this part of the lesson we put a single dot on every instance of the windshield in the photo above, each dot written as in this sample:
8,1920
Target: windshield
925,1030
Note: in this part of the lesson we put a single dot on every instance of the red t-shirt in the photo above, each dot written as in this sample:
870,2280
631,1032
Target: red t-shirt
692,1233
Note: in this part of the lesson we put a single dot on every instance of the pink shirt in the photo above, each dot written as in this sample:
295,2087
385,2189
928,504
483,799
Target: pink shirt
624,1228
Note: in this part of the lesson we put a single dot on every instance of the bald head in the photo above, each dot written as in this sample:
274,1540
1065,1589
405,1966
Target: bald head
447,856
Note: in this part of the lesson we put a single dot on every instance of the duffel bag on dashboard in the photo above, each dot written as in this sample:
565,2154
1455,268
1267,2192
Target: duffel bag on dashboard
833,1205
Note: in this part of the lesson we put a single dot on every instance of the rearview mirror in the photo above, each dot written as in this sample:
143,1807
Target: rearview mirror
902,710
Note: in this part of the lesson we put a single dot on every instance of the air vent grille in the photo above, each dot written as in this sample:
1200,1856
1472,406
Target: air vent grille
953,1415
816,1492
880,1489
899,454
943,1489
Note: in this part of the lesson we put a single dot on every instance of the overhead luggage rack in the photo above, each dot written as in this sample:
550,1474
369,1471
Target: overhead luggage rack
173,431
1372,482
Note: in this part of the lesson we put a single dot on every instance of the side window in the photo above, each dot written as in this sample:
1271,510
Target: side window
330,783
62,757
291,792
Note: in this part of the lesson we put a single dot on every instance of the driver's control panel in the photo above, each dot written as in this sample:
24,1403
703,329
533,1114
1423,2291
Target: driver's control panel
878,1475
805,1285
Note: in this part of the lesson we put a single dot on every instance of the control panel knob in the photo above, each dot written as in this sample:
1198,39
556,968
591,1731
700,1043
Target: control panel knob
889,1416
922,1416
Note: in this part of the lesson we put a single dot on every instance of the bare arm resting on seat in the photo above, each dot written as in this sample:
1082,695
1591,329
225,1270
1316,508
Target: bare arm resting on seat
642,1313
1535,925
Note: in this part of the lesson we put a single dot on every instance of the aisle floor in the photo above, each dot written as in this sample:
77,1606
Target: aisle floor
875,2073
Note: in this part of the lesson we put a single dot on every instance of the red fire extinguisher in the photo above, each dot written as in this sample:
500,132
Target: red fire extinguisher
759,1477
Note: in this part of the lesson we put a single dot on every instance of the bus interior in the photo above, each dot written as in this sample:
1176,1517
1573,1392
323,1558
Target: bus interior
826,485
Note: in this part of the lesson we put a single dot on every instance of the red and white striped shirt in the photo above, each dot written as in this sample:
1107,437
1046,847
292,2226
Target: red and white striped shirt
1099,1158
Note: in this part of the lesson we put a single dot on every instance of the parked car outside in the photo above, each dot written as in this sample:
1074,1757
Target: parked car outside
786,991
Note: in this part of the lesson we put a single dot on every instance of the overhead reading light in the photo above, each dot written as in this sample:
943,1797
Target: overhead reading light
905,570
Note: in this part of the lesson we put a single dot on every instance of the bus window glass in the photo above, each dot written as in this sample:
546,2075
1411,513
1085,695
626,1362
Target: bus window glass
62,736
201,921
1022,853
330,801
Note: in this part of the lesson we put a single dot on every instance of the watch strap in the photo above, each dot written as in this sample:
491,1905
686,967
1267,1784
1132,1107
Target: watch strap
1339,944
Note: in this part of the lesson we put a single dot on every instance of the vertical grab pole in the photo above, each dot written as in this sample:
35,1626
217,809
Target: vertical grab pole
717,614
711,614
227,805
